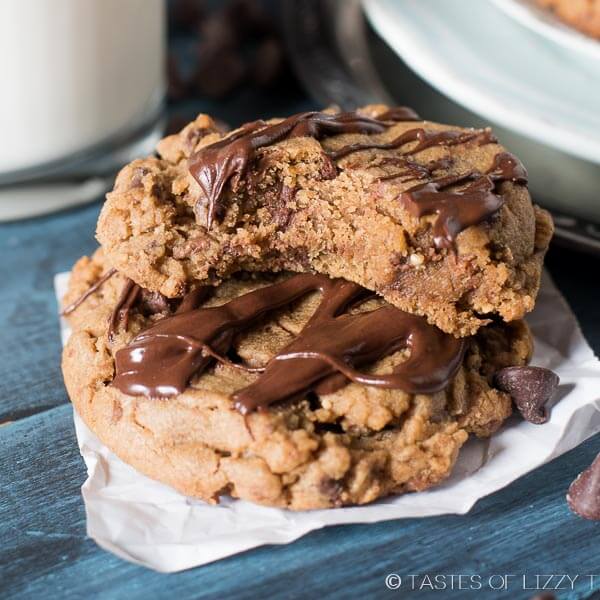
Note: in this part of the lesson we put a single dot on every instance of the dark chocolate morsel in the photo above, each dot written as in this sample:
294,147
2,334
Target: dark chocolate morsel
220,73
530,388
153,303
268,62
584,493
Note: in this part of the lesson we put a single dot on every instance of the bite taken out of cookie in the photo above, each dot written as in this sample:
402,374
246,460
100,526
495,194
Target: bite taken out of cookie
435,219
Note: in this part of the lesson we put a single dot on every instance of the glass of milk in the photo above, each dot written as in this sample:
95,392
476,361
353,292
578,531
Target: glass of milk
82,86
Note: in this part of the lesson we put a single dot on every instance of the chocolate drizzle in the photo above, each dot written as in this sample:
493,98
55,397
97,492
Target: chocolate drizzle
458,209
91,290
399,113
227,160
411,169
424,138
161,360
455,210
120,314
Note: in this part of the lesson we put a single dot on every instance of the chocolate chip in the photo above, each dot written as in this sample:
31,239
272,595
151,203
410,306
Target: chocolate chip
160,190
152,303
328,169
268,62
530,388
220,73
137,177
584,493
281,212
332,488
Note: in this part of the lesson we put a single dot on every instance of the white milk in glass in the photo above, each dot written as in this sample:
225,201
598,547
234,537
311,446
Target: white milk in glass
74,74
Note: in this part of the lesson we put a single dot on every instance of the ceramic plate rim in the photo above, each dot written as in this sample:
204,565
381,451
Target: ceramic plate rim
420,57
545,23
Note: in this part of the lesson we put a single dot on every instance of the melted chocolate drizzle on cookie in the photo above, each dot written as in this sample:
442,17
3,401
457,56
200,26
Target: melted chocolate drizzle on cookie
411,169
458,209
399,114
161,360
455,210
507,167
424,138
227,160
120,314
67,310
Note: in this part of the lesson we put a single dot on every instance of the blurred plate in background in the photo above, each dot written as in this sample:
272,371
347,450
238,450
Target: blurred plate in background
476,55
464,62
547,24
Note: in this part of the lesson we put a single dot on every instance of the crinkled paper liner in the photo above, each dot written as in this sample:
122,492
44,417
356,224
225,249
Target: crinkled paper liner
148,523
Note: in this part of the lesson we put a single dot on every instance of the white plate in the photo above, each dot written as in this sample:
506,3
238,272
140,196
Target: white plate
546,23
472,52
31,200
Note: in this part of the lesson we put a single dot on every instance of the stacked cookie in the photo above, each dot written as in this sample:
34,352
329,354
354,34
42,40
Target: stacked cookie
308,312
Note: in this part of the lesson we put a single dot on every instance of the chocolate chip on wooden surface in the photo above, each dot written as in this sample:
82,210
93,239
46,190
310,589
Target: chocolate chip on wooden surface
584,493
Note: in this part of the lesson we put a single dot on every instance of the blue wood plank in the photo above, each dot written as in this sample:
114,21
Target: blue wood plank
32,252
527,528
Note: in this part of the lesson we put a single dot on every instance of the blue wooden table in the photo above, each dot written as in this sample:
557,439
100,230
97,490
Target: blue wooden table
524,530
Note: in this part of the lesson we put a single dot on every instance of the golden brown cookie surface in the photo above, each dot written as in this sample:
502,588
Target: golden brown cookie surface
302,204
347,447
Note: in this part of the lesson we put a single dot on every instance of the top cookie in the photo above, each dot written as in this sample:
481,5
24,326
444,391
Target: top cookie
436,219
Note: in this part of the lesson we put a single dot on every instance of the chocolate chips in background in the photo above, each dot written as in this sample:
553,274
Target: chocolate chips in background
231,44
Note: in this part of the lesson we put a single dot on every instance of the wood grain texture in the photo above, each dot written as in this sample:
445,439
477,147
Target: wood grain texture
527,528
31,253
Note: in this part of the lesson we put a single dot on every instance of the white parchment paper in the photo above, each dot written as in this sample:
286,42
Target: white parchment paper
148,523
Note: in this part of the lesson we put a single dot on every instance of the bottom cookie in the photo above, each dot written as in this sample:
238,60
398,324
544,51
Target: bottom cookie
349,444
